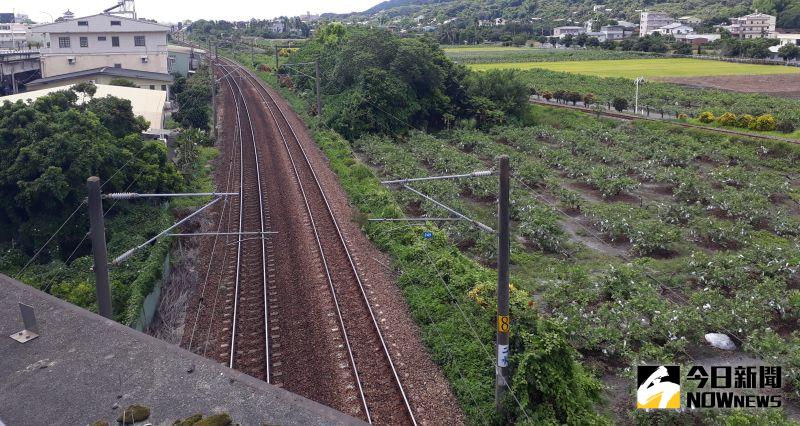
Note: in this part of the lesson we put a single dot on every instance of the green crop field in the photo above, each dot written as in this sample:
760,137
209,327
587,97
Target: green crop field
651,68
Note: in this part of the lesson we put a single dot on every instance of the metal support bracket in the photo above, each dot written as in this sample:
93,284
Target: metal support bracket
31,328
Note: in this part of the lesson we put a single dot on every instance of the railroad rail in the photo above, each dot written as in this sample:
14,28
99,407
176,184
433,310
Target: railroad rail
232,318
383,397
247,285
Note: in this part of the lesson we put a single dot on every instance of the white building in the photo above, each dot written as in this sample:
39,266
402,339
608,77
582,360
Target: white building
754,25
616,32
14,36
562,32
786,38
674,29
650,22
690,20
100,41
277,26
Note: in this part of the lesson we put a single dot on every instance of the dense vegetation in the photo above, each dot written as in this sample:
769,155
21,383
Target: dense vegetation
374,81
194,99
50,147
469,11
292,27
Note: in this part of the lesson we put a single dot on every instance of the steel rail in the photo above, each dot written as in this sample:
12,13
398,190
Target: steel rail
241,224
263,90
201,301
325,267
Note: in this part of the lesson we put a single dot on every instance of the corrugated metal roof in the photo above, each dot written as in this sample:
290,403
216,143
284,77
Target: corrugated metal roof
147,103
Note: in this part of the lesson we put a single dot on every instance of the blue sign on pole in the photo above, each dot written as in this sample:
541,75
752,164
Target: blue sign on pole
427,235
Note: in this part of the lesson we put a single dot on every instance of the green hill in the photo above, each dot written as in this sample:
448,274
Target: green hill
554,11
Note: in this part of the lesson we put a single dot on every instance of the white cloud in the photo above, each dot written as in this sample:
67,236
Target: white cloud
175,10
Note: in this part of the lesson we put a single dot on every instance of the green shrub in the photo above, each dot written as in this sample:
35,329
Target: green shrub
764,123
744,121
727,119
620,104
706,117
785,126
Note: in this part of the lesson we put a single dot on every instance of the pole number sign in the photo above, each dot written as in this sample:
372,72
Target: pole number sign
503,323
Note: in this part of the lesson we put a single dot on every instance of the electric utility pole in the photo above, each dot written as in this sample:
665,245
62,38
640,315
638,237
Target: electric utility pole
98,234
638,81
504,252
319,96
276,58
253,52
213,100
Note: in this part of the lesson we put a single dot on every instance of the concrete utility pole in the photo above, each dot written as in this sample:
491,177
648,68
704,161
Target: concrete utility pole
319,95
98,234
638,81
213,100
503,254
253,53
276,58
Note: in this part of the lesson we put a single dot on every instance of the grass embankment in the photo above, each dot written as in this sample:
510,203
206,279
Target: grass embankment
648,68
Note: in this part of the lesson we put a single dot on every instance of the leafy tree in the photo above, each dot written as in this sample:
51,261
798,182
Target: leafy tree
581,39
608,45
789,51
682,48
117,115
85,87
503,87
620,104
194,101
51,146
124,82
186,154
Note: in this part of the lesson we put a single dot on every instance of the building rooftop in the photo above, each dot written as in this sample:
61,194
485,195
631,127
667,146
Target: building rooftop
109,71
98,23
83,368
147,103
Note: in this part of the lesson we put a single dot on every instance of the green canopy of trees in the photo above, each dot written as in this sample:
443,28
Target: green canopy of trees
376,82
194,99
48,148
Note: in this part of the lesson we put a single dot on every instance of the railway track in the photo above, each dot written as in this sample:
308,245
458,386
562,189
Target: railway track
232,315
382,398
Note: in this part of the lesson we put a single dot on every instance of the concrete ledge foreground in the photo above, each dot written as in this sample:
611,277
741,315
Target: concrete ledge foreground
84,368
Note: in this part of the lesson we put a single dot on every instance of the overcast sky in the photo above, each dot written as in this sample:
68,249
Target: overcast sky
175,10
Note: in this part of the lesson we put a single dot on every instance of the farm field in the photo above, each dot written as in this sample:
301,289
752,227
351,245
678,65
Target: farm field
783,85
648,68
637,237
672,98
503,54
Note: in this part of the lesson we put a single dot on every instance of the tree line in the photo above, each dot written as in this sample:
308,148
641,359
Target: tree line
376,82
